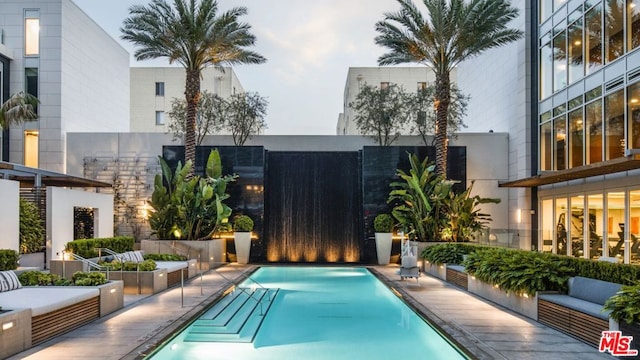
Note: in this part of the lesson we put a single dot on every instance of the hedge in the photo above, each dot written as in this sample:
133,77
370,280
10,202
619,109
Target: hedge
87,247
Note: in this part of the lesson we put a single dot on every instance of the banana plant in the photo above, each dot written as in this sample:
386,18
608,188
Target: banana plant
190,208
464,216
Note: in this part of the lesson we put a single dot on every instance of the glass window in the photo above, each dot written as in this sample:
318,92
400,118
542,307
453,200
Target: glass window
561,226
575,102
560,131
596,225
576,226
593,93
31,148
546,71
614,125
613,30
593,39
593,127
422,86
557,4
576,138
615,224
633,114
159,89
560,60
545,146
633,24
547,226
576,66
159,117
31,82
384,85
634,227
545,9
31,34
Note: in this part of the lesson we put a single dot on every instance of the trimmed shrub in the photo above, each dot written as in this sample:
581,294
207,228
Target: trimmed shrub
165,257
447,253
8,259
147,265
383,223
87,247
625,304
242,223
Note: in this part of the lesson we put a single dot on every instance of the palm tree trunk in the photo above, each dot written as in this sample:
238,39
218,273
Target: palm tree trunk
443,98
192,95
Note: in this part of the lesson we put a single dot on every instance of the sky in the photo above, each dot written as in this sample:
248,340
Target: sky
309,46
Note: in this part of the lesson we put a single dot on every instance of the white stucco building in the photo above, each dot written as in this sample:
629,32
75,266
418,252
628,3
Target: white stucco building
154,88
53,50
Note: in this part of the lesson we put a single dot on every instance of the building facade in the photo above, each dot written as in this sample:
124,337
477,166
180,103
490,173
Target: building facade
586,68
77,71
153,89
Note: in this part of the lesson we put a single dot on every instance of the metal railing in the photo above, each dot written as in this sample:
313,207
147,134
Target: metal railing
252,289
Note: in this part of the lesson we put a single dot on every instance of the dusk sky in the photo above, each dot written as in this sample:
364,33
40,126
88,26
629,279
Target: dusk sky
309,48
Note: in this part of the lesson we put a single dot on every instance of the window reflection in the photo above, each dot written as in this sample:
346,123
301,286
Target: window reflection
614,25
546,70
593,117
595,223
561,226
633,24
634,227
559,60
560,131
633,112
614,125
576,138
576,226
545,146
593,38
615,224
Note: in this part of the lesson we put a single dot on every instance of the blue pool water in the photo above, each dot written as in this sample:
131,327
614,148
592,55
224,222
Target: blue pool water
323,313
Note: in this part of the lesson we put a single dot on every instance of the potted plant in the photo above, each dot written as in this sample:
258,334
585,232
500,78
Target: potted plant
242,227
383,226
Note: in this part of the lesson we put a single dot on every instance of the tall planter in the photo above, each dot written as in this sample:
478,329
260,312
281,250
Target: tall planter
383,247
243,246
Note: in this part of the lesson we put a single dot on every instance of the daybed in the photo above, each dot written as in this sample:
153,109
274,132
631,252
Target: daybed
39,313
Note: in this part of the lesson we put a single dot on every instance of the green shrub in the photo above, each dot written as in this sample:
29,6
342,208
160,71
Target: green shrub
383,223
8,259
87,247
31,228
147,265
165,257
447,253
519,271
625,304
94,278
39,278
242,223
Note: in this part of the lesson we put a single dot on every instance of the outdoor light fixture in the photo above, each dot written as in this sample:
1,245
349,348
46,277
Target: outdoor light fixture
112,291
7,325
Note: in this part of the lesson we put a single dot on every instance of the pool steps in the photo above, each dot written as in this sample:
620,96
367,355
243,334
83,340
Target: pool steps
235,318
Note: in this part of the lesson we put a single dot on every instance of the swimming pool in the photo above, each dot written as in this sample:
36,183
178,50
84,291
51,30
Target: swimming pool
320,313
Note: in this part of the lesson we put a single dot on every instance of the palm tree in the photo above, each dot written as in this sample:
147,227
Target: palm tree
20,107
453,31
194,35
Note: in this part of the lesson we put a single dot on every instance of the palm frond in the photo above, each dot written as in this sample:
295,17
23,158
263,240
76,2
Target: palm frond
20,107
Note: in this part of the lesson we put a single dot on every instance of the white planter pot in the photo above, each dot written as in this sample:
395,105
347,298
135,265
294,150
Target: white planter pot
383,247
243,246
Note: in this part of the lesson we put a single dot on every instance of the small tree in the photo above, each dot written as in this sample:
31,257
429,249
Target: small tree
209,116
423,114
244,116
464,218
381,113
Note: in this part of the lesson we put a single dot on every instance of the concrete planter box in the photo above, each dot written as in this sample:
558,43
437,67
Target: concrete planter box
439,271
211,252
527,306
66,268
111,297
33,260
141,282
17,338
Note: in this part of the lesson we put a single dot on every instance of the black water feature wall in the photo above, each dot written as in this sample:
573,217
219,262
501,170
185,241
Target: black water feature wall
314,207
379,164
246,193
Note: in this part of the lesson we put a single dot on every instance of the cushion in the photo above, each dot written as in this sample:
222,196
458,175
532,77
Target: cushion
9,281
592,290
44,299
409,261
172,266
138,256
